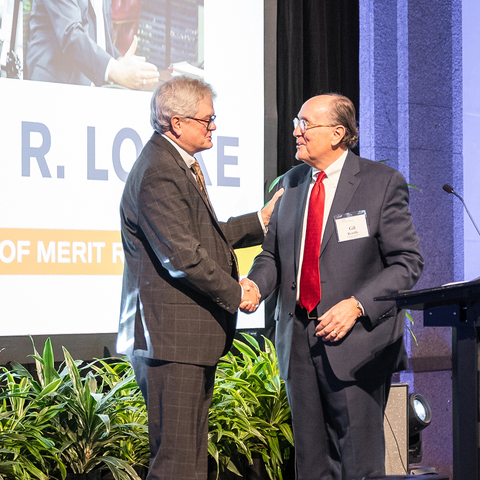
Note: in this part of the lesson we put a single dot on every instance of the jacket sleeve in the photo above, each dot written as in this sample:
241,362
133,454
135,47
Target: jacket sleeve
243,231
265,271
74,40
399,248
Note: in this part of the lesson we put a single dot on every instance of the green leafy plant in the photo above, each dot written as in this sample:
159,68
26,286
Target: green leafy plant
86,428
26,452
90,414
133,419
409,326
249,412
80,417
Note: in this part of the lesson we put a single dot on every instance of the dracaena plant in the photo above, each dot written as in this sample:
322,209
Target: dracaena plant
26,451
83,417
87,430
133,418
88,427
249,412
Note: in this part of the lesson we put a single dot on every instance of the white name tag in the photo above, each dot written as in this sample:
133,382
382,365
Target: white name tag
351,226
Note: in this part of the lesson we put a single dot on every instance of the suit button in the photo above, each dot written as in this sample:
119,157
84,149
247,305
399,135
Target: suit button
290,314
230,263
294,285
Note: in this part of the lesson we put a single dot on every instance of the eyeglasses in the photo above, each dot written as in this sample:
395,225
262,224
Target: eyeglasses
207,123
304,125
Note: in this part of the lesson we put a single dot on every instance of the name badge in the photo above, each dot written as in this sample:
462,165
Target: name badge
351,226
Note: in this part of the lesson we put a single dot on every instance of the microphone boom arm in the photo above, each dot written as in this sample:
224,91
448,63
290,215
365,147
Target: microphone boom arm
449,189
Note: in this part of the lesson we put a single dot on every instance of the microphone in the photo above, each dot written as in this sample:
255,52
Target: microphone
449,189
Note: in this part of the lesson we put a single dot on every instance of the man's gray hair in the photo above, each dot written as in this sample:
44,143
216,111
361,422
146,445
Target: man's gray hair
179,96
342,112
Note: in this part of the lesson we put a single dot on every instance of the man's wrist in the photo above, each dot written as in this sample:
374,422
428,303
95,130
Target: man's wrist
361,310
262,223
256,286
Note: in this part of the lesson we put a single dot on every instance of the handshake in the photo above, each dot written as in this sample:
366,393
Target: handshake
251,296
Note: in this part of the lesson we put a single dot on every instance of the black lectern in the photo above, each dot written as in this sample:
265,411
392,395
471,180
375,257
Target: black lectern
458,306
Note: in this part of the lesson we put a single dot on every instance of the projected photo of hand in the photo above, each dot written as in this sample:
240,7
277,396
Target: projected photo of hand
122,43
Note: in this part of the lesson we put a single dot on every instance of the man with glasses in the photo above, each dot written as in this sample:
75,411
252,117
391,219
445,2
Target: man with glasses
341,234
180,283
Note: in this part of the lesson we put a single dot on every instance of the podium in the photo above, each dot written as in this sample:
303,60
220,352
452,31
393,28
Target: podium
456,306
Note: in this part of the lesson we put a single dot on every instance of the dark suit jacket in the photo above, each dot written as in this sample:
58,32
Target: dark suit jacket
387,261
180,292
62,47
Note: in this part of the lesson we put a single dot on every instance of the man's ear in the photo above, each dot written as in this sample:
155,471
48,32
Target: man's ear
338,135
176,125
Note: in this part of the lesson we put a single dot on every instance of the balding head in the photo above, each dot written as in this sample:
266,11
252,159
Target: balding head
325,129
340,111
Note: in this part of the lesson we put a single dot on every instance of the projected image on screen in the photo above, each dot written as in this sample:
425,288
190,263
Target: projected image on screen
132,44
67,147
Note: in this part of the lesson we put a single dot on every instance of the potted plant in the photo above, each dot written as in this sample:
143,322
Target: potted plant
249,416
89,421
26,452
133,420
87,427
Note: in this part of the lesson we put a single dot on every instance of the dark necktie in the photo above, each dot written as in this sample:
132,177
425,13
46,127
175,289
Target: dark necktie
310,289
201,184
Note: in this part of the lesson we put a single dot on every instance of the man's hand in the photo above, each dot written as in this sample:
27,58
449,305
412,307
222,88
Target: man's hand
251,296
134,72
337,322
268,209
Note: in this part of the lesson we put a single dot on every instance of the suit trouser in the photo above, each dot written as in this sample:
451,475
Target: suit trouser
178,397
338,426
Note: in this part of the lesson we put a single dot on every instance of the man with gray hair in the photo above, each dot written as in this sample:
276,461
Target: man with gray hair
180,284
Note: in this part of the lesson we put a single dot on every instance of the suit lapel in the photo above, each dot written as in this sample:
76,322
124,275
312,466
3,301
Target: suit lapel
346,187
164,143
300,199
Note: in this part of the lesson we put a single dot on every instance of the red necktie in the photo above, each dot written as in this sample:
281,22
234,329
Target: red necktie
310,289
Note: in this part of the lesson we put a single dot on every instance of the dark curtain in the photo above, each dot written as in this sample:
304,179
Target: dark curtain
317,52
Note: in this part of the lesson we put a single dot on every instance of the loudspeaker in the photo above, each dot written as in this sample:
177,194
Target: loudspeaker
396,431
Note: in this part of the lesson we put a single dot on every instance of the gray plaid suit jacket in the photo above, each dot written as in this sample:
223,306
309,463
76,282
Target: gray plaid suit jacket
180,292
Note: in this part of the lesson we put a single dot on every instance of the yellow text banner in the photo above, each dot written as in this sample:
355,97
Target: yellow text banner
25,251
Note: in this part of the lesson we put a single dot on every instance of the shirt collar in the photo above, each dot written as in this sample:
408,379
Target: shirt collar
187,158
333,171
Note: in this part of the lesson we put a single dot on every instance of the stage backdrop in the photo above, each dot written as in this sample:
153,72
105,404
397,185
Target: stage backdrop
66,151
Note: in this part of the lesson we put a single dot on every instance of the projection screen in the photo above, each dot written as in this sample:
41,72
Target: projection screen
66,150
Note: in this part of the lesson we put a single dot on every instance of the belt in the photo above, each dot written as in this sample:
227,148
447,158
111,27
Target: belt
301,312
